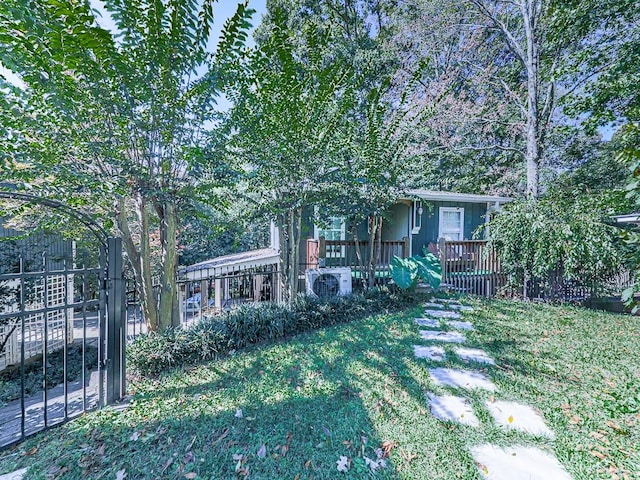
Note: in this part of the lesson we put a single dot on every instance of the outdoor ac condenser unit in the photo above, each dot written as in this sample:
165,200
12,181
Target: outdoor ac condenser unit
327,282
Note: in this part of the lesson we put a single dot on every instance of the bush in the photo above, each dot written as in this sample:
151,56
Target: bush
254,323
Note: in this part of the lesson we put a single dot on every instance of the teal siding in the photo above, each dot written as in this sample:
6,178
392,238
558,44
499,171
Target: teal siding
474,216
395,228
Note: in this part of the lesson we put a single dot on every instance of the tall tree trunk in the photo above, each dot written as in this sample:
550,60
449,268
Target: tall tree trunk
532,158
375,226
169,312
283,232
356,240
139,256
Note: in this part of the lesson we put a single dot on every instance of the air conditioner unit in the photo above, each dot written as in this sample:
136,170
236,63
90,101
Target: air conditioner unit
328,282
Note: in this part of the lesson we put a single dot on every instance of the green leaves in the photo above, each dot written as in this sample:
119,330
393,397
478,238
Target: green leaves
406,272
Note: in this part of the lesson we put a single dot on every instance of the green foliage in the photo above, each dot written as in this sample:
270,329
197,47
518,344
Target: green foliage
404,272
407,272
253,323
533,238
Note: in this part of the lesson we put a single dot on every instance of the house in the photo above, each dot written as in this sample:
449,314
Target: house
412,224
419,220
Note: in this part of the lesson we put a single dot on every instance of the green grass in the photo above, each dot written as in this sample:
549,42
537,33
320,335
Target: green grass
347,389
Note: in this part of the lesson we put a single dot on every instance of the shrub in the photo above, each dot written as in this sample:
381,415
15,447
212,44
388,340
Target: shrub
255,323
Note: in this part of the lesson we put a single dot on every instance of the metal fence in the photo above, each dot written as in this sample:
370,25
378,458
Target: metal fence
61,349
205,294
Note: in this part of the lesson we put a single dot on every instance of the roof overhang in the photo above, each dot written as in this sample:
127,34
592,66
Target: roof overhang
631,218
219,266
438,196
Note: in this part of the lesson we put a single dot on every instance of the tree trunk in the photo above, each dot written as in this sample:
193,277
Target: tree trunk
169,311
532,157
356,240
375,226
139,257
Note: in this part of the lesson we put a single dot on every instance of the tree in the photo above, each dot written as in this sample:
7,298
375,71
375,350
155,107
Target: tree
285,128
116,122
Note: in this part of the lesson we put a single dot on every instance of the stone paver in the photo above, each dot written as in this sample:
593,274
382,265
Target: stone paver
450,337
459,324
433,305
17,475
512,415
474,355
442,314
462,308
428,322
453,409
517,463
461,379
446,301
430,353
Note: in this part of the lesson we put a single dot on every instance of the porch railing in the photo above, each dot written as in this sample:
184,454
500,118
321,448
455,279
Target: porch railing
349,253
470,266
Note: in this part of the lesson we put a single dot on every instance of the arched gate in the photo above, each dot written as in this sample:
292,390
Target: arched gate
62,322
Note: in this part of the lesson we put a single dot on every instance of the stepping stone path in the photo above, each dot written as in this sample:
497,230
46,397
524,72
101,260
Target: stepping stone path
442,314
459,324
453,409
512,415
428,322
474,355
430,353
461,308
517,463
433,305
439,335
495,463
451,377
17,475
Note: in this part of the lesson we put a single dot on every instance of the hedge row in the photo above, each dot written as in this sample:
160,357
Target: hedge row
257,322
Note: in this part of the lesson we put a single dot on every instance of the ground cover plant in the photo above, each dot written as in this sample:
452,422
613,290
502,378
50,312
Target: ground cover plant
257,322
296,408
11,379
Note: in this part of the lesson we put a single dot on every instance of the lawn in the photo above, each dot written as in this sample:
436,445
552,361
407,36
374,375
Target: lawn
294,408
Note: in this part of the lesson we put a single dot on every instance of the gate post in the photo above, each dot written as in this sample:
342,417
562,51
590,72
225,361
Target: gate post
116,324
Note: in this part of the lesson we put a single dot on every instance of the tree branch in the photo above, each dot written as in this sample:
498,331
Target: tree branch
512,43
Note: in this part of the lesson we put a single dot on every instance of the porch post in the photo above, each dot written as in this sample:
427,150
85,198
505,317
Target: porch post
406,247
442,251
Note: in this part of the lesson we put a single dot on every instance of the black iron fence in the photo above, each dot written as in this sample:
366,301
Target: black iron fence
61,341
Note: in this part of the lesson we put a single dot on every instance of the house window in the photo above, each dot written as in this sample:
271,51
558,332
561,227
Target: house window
451,225
333,229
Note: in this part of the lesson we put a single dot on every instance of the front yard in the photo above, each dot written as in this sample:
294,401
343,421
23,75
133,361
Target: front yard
294,409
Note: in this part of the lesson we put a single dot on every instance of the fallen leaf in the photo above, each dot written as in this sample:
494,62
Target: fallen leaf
387,446
221,437
262,451
191,444
167,464
614,425
190,475
375,464
343,464
284,450
121,474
